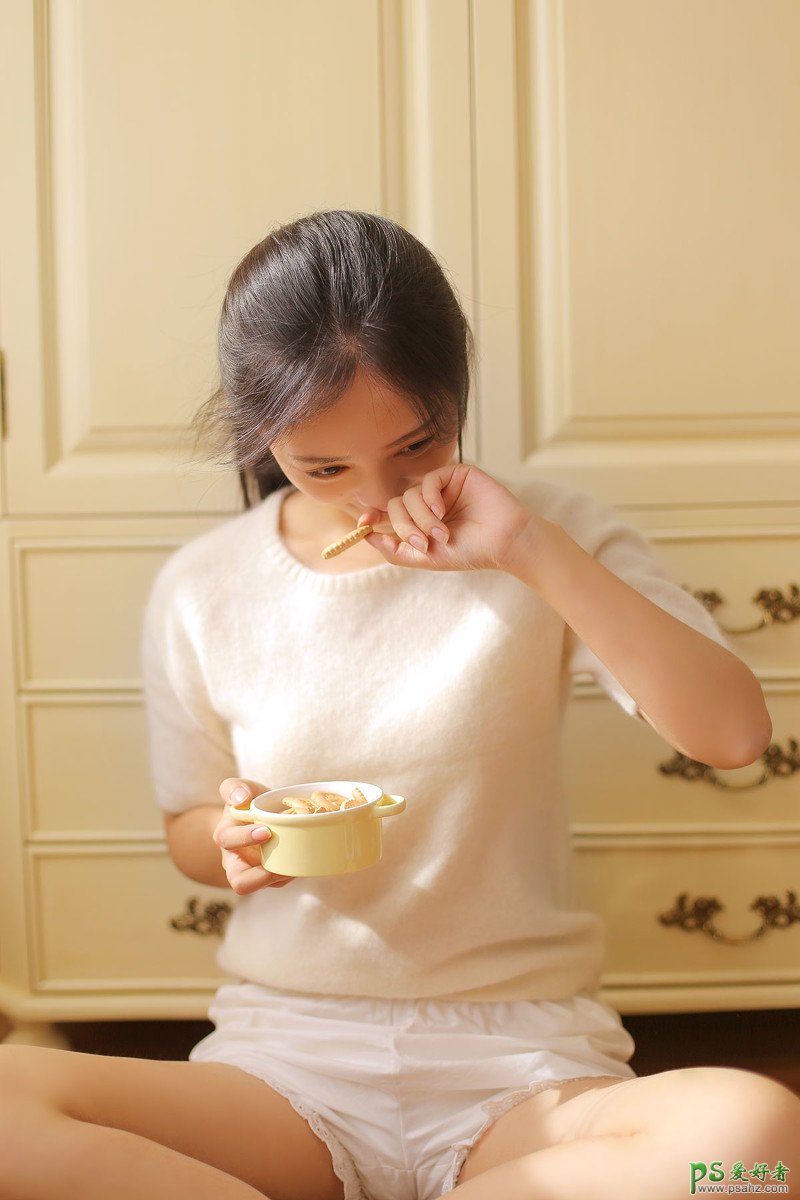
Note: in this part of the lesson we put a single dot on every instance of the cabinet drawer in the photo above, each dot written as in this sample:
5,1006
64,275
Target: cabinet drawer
627,788
630,882
737,568
86,765
102,921
79,610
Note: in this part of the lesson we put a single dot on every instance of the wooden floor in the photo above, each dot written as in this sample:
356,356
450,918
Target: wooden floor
765,1041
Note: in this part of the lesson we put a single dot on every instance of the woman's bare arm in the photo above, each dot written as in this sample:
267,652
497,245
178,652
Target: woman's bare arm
700,698
190,838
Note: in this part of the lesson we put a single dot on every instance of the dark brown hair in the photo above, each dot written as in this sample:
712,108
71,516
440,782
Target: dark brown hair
309,305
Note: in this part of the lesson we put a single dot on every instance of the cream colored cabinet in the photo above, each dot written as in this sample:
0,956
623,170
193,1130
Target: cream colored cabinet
96,921
636,265
610,189
143,153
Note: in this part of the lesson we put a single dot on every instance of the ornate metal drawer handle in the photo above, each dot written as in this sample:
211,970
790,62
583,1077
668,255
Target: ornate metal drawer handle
772,602
210,919
700,916
777,764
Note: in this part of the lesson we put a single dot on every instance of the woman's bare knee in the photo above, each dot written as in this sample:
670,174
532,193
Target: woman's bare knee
34,1073
744,1112
722,1112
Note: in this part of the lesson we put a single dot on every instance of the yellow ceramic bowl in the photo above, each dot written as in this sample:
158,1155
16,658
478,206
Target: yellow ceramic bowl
328,843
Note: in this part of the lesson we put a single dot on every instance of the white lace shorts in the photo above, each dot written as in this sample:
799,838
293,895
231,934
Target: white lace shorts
399,1090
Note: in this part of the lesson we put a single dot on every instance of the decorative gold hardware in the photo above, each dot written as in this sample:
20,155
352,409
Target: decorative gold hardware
778,763
211,919
700,916
774,605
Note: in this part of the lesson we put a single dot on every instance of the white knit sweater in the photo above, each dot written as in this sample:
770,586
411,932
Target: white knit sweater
446,688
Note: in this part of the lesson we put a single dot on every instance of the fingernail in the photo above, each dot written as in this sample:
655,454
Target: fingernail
260,833
437,511
441,535
417,540
239,795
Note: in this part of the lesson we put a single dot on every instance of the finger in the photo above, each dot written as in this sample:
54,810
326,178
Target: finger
238,792
377,518
233,835
236,860
432,495
419,511
404,526
246,880
372,516
397,552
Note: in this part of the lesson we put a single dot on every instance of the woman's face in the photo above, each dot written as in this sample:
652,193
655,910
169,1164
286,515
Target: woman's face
369,447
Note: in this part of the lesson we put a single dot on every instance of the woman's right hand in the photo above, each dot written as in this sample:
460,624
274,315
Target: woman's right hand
240,843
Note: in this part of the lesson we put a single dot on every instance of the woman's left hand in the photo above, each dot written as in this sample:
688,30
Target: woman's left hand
456,519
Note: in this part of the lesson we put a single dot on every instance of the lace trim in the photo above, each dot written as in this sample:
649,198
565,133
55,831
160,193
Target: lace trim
343,1165
497,1108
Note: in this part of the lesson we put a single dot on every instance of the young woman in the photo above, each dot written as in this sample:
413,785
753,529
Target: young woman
430,1023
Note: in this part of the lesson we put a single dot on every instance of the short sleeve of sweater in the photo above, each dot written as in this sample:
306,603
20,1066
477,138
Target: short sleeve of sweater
190,750
600,530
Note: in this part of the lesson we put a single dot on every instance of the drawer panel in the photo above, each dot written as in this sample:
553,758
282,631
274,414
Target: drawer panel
80,606
737,568
102,921
624,785
629,883
87,765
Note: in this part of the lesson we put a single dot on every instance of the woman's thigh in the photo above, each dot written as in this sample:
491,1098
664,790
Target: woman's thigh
535,1124
692,1103
215,1113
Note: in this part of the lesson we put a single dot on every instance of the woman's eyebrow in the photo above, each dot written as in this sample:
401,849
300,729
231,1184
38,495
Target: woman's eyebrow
312,458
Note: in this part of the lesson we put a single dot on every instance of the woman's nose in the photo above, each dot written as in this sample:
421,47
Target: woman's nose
378,492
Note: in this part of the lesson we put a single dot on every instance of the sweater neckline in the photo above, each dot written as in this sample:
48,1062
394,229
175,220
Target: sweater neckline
352,581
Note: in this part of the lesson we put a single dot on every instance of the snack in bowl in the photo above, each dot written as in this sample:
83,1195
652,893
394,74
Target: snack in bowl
325,828
324,802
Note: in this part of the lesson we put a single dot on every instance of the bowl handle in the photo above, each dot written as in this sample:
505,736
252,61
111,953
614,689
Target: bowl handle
388,805
243,813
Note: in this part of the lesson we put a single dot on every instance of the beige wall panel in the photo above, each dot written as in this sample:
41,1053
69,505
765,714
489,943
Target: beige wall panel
171,138
630,884
87,766
683,253
626,787
80,608
645,237
103,921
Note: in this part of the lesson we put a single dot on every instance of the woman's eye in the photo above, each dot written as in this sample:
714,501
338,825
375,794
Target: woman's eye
326,472
415,447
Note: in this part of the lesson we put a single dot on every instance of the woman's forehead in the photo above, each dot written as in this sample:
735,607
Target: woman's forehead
368,416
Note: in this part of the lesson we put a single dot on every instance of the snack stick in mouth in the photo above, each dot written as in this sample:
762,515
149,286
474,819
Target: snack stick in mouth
350,539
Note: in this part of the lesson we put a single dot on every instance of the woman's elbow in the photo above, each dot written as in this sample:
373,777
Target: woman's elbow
749,743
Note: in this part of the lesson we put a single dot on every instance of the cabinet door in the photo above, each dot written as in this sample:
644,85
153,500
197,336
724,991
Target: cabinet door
145,148
638,248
